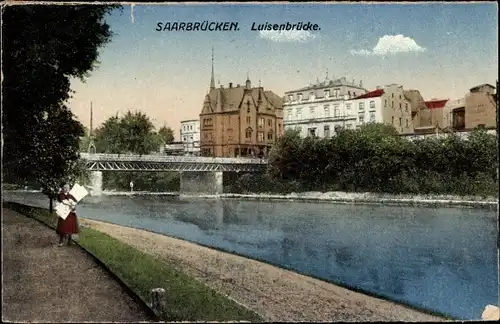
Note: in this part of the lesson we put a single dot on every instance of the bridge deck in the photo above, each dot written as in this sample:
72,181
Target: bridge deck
99,157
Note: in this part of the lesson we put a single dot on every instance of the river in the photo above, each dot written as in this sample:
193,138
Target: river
442,259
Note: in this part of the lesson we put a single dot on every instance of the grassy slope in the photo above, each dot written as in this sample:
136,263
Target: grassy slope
186,298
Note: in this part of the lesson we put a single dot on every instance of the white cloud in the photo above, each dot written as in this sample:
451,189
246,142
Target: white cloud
287,35
390,45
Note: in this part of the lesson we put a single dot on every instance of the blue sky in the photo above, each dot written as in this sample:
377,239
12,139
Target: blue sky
444,50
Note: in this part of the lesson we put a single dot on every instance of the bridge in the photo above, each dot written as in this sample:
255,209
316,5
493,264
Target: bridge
198,174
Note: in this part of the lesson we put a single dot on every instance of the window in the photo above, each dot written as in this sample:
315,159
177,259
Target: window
279,128
361,117
393,95
406,122
354,94
269,122
406,107
338,129
311,132
299,113
260,136
385,103
326,131
372,104
289,114
400,122
311,96
348,108
261,121
327,93
312,112
270,136
184,139
336,93
372,116
248,133
400,106
248,106
361,106
349,94
290,97
299,96
393,120
249,119
392,103
327,111
399,97
336,111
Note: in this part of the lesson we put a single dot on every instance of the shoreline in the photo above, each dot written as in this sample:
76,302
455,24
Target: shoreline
266,289
334,197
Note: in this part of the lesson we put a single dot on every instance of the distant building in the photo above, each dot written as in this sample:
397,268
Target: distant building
388,105
480,107
239,120
190,136
175,148
320,109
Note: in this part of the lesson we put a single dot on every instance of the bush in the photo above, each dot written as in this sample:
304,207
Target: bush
373,158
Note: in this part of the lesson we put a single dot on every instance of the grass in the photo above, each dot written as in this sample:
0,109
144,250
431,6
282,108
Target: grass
186,298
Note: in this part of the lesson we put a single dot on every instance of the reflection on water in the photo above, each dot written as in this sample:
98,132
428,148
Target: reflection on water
442,259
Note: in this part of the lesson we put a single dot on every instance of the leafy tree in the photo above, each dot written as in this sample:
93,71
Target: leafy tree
166,134
133,133
38,64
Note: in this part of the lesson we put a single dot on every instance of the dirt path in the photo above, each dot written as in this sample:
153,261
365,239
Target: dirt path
45,283
274,293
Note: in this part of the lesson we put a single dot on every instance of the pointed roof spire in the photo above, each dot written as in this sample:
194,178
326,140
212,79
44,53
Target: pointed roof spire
259,83
326,74
212,80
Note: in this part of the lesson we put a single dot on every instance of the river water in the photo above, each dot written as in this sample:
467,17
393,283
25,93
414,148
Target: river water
442,259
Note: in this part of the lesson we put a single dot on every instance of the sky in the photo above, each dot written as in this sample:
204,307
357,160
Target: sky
440,49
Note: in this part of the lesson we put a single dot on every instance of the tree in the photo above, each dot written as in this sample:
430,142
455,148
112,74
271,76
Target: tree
39,59
166,134
133,133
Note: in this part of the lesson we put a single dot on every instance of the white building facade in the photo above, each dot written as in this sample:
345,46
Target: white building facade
190,136
321,109
387,105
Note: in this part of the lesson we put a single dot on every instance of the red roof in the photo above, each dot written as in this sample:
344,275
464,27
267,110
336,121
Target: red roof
436,104
371,94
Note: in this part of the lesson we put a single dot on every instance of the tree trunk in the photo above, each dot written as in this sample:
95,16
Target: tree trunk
51,205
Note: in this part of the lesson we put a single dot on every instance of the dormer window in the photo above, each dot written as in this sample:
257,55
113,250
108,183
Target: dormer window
299,96
290,98
327,93
311,96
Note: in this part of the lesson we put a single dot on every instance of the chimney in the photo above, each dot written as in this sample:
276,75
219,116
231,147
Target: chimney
361,83
230,84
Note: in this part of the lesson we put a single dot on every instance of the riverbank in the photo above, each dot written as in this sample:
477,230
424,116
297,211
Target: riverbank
274,293
186,298
366,198
34,292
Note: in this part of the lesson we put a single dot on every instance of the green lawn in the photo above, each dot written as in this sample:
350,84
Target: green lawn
186,298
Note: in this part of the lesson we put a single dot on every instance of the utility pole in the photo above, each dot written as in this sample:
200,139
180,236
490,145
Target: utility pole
91,148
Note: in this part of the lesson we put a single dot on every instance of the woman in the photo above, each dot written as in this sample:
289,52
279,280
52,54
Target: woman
69,226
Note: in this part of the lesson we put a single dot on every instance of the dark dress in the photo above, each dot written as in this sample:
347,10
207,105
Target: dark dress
70,224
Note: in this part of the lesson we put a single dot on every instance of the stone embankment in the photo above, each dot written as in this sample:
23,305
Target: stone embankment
274,293
368,198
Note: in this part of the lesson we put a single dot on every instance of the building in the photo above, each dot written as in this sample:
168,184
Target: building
388,105
190,136
174,148
480,107
319,109
239,120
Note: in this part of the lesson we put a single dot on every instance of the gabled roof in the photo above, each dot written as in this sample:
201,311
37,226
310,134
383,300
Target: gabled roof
371,94
436,104
480,86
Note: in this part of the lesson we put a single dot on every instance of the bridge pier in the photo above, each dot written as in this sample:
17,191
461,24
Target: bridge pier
96,183
206,182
